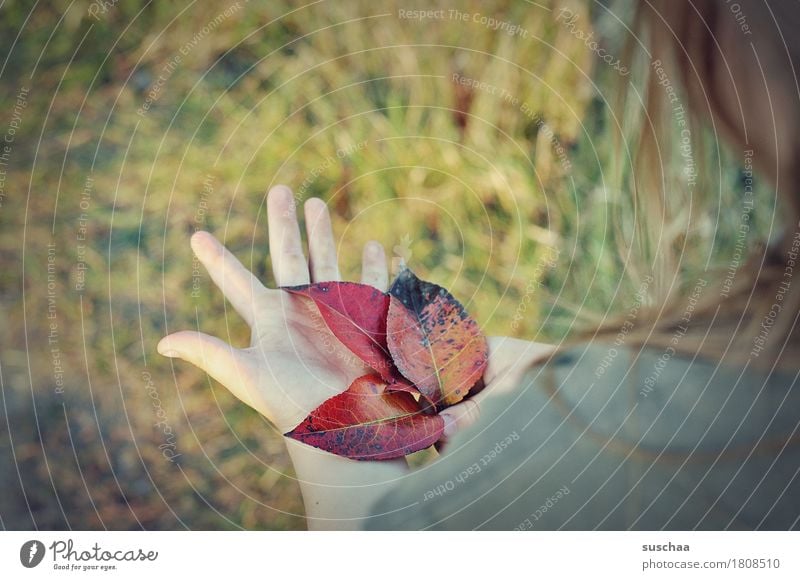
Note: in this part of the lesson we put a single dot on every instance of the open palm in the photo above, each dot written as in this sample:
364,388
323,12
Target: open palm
293,363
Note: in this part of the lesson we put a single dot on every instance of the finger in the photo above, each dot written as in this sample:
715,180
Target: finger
374,270
321,247
509,359
457,418
289,264
224,363
235,281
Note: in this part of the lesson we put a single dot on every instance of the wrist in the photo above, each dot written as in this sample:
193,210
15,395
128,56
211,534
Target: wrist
338,492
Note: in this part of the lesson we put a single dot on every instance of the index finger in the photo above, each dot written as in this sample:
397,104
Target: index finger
237,283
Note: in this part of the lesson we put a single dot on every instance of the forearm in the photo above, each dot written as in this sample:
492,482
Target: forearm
338,493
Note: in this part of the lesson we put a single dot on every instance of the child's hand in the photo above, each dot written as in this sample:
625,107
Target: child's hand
294,363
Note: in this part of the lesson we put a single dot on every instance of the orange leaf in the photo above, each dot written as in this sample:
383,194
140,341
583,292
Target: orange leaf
434,343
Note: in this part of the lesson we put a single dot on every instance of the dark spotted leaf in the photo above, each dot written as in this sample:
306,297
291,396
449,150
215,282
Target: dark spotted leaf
433,342
356,315
368,422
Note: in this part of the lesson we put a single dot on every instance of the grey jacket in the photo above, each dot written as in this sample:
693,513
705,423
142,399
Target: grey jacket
616,438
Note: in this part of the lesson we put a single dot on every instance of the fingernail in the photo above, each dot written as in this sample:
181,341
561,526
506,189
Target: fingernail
167,352
282,192
373,249
202,241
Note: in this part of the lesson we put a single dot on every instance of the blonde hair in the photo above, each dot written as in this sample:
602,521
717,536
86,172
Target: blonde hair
735,70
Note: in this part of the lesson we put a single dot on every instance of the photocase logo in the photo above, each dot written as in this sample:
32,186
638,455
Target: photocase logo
402,254
31,553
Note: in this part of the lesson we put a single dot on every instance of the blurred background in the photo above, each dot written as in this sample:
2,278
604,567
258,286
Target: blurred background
479,142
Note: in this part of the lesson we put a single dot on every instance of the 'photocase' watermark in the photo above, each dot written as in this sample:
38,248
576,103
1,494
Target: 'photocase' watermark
401,254
99,7
570,20
168,447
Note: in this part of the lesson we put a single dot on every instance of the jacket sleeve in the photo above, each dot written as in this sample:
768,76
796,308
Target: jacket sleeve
603,438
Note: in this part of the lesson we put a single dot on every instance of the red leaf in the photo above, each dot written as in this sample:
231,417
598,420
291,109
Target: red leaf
356,314
367,422
434,343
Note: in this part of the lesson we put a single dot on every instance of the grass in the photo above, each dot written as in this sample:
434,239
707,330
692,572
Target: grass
148,122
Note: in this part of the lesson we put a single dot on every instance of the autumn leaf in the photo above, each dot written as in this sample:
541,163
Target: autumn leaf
433,341
356,314
428,353
367,422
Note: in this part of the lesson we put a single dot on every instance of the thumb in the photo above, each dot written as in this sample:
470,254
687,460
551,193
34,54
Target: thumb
457,418
226,364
